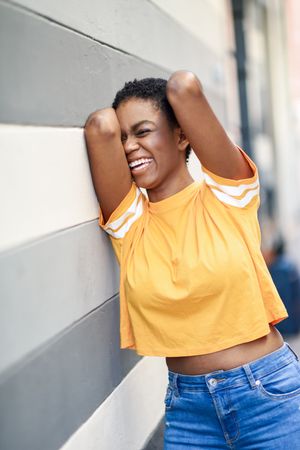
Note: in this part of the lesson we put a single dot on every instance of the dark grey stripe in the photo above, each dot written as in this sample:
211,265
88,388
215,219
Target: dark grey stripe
50,284
136,27
45,400
53,76
156,440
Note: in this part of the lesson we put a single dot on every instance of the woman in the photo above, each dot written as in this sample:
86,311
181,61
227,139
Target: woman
194,287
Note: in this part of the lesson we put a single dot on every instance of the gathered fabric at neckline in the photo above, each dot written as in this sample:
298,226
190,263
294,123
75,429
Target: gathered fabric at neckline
173,201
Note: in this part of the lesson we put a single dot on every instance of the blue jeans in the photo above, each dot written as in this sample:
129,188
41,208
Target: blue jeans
252,407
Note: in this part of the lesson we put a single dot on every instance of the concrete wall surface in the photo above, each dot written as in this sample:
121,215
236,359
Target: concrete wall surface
64,382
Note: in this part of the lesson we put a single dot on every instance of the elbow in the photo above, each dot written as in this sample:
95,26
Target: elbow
102,123
183,83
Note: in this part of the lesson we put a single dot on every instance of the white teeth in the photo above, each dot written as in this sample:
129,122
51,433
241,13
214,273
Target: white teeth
139,161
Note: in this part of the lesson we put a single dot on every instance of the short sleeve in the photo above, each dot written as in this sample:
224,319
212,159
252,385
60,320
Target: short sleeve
123,218
126,213
241,194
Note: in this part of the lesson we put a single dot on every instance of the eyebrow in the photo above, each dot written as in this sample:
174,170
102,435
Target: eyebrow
136,125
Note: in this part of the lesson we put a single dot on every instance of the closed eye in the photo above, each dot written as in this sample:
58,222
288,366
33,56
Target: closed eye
142,132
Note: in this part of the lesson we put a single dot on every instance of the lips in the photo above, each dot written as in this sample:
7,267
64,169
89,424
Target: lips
138,161
140,165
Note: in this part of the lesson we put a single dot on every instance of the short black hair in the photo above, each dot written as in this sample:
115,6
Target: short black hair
150,89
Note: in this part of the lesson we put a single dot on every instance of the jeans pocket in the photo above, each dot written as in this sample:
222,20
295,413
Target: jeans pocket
168,400
281,384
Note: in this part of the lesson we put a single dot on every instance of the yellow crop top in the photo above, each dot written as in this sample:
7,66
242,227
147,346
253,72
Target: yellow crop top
192,276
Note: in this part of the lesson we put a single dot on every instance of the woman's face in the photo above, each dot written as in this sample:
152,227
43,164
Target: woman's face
146,134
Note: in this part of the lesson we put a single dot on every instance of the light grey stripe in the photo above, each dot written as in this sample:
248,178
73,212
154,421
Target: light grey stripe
47,397
50,284
54,76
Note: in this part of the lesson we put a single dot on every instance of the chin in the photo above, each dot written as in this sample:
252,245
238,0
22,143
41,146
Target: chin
145,184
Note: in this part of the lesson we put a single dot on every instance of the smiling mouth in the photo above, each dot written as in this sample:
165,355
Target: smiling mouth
141,167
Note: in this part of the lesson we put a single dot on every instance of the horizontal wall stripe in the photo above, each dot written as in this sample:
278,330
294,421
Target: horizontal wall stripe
56,76
40,200
46,173
140,28
207,20
47,286
46,399
156,439
136,406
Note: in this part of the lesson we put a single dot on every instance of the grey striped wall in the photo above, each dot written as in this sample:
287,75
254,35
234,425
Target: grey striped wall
56,75
63,379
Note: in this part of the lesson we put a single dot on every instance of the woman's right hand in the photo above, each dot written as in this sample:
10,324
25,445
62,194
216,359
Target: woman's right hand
109,167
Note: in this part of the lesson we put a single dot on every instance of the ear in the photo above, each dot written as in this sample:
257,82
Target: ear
183,142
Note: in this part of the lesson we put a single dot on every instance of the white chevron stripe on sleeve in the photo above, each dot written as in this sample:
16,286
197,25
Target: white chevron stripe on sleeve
239,203
120,226
235,191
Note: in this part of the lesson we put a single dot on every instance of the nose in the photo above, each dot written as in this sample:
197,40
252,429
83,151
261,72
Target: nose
130,144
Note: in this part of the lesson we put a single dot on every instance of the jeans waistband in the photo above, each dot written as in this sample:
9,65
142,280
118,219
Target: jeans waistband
247,373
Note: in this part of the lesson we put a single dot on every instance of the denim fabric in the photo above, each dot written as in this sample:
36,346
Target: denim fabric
252,407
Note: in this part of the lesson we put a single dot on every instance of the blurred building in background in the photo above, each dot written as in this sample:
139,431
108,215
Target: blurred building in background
64,383
271,69
292,23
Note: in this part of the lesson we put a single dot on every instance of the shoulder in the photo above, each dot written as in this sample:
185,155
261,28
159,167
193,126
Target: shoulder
238,195
127,213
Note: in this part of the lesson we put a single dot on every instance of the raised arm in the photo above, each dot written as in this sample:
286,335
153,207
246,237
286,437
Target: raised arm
206,135
109,167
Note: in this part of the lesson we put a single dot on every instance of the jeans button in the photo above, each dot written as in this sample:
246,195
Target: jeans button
212,381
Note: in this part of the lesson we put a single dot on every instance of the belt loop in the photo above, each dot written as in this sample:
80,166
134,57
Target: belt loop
296,356
175,384
249,375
